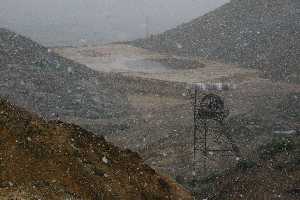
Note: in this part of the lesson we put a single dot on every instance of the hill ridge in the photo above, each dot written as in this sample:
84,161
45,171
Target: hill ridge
38,79
263,34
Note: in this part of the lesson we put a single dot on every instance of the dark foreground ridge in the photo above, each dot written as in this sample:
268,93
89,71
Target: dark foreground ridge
263,34
55,160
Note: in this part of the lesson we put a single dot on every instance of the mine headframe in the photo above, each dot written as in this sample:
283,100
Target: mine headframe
209,108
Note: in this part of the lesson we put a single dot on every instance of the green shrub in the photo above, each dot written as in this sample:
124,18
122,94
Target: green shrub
246,164
278,145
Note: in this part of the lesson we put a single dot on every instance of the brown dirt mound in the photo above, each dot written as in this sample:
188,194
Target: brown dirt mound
54,160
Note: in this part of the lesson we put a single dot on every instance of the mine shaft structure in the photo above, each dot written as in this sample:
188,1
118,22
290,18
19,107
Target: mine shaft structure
211,137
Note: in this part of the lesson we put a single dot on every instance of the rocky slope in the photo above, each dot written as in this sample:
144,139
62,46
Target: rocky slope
275,175
263,34
55,160
54,87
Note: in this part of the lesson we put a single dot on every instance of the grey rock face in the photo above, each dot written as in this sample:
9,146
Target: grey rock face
54,87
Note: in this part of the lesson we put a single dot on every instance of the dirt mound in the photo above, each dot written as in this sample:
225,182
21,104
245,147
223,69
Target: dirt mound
258,33
54,160
36,78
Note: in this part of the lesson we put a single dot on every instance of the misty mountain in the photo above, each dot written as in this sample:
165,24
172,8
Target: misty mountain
263,34
54,87
77,22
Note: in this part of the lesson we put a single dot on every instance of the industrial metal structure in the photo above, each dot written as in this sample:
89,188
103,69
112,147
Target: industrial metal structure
211,137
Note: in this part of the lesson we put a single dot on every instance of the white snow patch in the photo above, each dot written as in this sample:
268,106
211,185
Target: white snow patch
105,160
178,45
70,69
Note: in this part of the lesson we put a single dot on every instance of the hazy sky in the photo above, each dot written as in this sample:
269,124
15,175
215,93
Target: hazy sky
65,22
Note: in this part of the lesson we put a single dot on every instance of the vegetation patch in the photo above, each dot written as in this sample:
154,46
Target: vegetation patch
278,145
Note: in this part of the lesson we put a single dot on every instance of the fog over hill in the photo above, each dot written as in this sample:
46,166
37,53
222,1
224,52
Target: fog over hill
68,22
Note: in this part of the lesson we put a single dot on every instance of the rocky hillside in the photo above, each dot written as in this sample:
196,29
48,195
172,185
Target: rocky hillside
54,87
55,160
275,175
263,34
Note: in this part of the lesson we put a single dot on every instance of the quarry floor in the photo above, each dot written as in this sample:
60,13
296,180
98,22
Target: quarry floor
162,116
